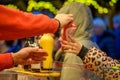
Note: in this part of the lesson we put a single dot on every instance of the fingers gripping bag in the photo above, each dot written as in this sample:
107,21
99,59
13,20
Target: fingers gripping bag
68,31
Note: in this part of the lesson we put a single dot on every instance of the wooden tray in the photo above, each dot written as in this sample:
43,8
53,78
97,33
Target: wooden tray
41,74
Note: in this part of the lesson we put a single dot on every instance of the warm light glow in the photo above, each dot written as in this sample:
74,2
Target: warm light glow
32,4
100,9
11,6
41,5
105,10
114,1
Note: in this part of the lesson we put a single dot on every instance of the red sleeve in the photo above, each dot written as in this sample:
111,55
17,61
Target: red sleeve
16,24
6,61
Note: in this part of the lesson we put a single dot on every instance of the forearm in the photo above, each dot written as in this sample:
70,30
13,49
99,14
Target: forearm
17,24
95,60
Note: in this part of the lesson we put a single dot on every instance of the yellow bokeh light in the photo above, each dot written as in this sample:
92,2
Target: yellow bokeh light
114,1
41,5
105,10
94,3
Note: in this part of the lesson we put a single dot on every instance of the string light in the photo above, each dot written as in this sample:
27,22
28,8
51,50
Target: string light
41,5
100,9
32,4
11,6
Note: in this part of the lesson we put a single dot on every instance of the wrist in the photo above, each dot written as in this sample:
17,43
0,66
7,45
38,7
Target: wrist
83,52
59,24
14,58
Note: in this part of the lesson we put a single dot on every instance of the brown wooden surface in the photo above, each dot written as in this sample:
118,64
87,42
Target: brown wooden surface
41,74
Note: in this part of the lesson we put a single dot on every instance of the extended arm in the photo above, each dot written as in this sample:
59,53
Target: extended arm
16,24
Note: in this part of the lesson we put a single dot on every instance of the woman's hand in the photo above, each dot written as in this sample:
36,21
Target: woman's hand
71,46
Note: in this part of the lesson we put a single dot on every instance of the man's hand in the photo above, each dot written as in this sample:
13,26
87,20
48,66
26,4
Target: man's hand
64,19
29,55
